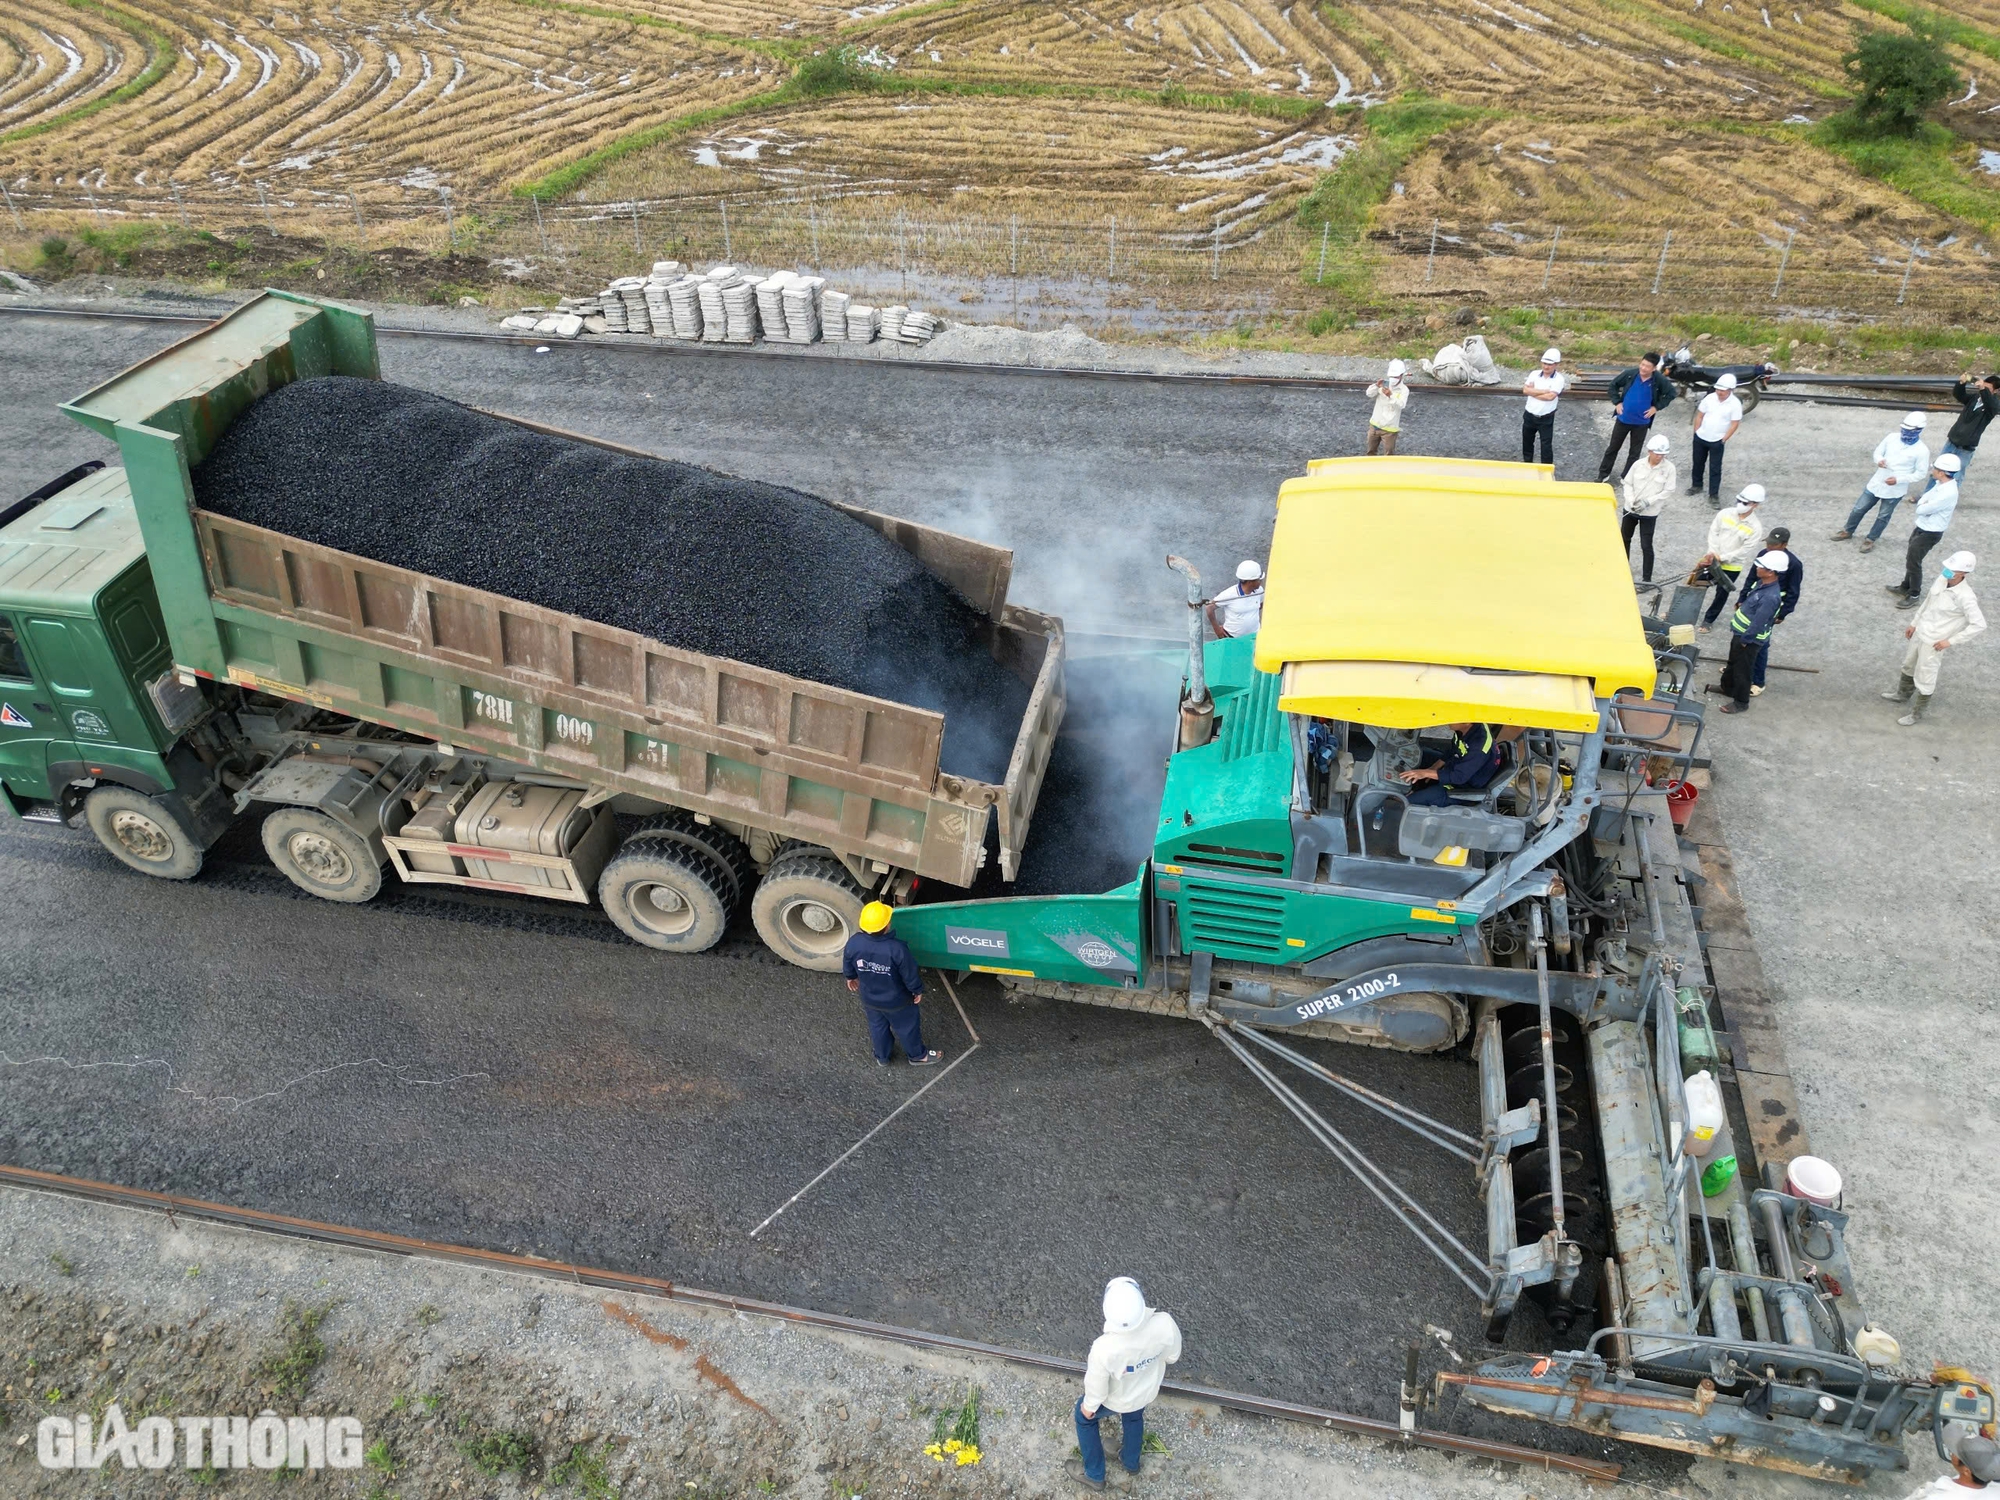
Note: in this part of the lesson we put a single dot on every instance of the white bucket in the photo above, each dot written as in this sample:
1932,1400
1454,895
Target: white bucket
1814,1180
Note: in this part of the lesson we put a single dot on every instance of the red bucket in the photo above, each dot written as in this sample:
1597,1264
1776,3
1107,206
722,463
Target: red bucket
1680,802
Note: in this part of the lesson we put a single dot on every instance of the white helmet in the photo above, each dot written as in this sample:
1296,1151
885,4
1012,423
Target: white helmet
1725,382
1917,420
1960,562
1395,369
1552,356
1775,562
1247,570
1950,463
1658,443
1750,494
1124,1305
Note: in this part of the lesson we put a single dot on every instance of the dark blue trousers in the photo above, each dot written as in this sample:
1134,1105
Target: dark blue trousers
904,1023
1091,1445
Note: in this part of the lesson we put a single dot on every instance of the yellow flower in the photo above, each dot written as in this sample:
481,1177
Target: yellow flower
968,1455
932,1450
952,1445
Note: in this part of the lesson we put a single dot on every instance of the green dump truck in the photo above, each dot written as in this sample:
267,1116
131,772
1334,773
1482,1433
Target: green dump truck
165,670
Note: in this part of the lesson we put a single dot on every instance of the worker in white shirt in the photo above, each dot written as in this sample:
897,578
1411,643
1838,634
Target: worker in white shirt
1901,461
1716,419
1733,539
1385,423
1949,616
1123,1374
1975,1463
1646,488
1542,388
1934,511
1239,609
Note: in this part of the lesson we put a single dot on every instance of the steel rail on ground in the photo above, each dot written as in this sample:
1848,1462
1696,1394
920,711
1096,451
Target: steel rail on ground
1587,388
170,1205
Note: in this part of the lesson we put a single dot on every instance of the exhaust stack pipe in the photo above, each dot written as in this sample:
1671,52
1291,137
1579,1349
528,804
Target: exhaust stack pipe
1197,708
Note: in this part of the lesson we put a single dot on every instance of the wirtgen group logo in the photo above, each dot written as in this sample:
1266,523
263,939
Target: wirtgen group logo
267,1441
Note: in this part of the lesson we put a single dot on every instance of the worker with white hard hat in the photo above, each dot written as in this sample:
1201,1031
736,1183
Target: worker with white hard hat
1239,609
1385,423
1543,388
1791,583
1716,419
1750,629
1934,512
1901,461
1949,616
1644,492
1975,1464
1123,1374
1733,538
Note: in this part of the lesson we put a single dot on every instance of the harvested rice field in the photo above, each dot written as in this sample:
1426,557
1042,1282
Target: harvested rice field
1190,126
371,99
1148,164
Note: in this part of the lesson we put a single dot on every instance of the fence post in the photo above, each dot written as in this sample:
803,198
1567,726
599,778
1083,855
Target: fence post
812,223
1908,266
360,224
1553,242
1661,269
1325,229
265,204
726,255
100,214
179,207
902,265
636,247
1111,267
1431,259
450,223
1014,263
540,233
1784,260
1215,251
18,224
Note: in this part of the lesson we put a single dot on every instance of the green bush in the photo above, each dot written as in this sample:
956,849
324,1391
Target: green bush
837,70
1902,76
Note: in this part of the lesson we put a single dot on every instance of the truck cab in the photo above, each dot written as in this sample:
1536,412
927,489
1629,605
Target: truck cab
88,696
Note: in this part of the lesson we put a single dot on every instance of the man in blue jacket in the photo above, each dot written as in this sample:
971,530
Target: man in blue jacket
1750,630
879,968
1791,582
1477,755
1638,396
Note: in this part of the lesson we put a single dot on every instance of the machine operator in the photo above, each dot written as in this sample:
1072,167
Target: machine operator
1478,752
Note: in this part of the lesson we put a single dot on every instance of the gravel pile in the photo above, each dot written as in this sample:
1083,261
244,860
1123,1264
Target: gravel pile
700,560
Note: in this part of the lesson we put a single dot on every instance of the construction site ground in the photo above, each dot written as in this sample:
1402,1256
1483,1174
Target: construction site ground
508,1075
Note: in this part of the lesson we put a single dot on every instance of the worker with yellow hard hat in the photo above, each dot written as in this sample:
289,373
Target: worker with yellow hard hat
880,969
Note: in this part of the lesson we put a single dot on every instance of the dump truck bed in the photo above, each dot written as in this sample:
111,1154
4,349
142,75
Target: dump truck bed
569,696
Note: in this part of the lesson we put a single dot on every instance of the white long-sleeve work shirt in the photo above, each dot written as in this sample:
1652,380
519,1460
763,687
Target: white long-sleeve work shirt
1125,1369
1734,538
1901,467
1647,486
1949,613
1935,508
1389,403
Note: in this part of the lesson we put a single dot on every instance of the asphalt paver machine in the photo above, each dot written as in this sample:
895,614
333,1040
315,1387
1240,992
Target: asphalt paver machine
1543,920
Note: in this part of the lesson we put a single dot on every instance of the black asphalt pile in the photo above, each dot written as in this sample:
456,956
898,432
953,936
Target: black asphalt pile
684,555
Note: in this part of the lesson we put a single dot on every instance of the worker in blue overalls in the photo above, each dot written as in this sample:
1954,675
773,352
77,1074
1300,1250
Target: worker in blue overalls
880,969
1477,754
1750,629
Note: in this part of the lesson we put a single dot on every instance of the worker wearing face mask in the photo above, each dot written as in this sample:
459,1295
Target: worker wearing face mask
1385,423
1733,538
1933,514
1949,616
1901,461
1123,1374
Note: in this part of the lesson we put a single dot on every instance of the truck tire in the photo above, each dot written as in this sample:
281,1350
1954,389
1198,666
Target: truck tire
806,908
321,855
667,896
718,844
141,833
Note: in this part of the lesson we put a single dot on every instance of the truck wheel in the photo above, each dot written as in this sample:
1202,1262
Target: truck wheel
666,895
141,833
806,907
679,827
321,856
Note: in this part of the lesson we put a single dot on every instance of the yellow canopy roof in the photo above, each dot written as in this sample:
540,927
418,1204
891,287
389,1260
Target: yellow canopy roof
1438,562
1397,695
